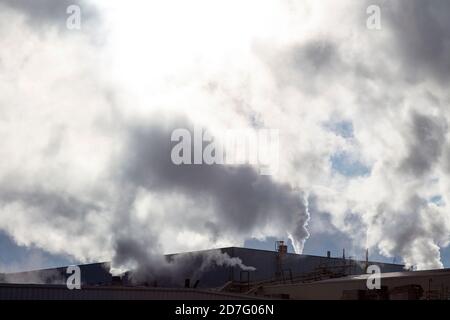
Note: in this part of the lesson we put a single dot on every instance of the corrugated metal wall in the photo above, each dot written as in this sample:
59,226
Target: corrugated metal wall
91,274
265,263
55,292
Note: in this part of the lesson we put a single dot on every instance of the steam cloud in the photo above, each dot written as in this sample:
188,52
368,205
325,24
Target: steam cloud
150,268
86,126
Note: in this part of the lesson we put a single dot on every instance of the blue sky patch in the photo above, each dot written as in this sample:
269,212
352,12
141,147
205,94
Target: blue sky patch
345,165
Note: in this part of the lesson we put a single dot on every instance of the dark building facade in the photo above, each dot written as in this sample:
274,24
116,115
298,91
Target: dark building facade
269,266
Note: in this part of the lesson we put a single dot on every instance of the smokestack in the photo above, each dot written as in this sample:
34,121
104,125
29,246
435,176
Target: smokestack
328,254
281,247
367,258
343,253
282,250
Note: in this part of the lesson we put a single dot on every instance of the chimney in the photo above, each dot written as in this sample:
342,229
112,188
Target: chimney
281,247
328,254
367,259
282,250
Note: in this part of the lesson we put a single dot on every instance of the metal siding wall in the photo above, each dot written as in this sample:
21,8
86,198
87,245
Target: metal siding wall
91,274
265,263
30,292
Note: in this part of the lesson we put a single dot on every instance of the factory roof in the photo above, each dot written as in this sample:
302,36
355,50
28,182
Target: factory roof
60,292
405,274
224,249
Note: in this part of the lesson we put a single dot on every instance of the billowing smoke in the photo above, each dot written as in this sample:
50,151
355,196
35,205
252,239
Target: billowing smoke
36,277
146,267
362,114
216,201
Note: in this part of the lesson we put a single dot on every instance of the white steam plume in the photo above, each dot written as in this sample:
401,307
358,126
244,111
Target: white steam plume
363,119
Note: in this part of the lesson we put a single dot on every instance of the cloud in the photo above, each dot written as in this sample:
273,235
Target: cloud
172,270
86,129
420,30
46,13
305,65
94,179
241,198
429,135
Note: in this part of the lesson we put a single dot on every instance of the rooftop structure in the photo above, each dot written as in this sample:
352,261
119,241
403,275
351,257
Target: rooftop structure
268,267
407,285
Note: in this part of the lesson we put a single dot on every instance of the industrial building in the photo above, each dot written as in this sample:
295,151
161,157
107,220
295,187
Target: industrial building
282,266
407,285
60,292
276,275
276,265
